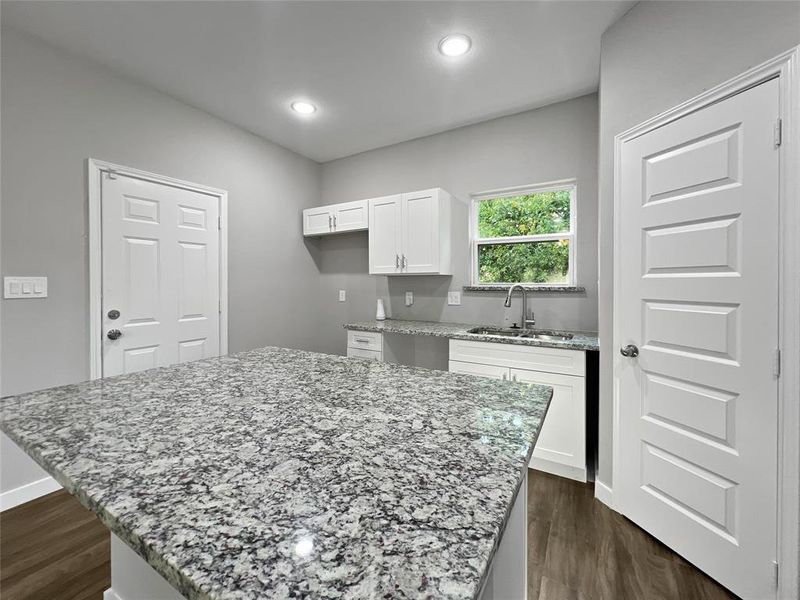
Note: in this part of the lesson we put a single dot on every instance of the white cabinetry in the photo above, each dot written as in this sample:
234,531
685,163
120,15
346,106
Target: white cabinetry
561,447
335,218
411,233
365,344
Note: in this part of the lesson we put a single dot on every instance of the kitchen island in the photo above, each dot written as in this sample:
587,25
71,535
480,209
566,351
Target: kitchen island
280,473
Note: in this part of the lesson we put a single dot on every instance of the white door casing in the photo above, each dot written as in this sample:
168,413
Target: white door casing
697,259
158,258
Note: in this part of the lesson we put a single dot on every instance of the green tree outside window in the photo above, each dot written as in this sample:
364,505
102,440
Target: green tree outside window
525,261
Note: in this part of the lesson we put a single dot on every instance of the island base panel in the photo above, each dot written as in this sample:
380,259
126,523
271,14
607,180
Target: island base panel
133,579
508,577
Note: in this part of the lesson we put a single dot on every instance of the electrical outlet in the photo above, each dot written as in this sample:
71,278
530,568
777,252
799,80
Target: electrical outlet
409,298
454,298
342,295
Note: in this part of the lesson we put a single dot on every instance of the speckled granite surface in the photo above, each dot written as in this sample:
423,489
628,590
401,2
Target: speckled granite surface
531,289
286,474
581,340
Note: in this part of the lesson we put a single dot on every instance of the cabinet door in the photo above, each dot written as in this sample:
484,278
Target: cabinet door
350,216
420,233
562,439
490,371
317,221
384,235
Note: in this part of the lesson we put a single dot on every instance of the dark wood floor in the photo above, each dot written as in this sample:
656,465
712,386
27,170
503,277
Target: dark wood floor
578,549
53,549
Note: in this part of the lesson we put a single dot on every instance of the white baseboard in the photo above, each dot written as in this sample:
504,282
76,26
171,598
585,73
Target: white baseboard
554,468
28,492
603,493
110,594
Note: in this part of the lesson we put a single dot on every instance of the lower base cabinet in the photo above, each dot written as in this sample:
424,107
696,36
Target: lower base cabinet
561,447
365,344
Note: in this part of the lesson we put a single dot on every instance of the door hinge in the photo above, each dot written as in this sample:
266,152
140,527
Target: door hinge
778,132
776,571
219,222
776,362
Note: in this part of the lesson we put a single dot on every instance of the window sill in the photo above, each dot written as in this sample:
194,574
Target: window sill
543,289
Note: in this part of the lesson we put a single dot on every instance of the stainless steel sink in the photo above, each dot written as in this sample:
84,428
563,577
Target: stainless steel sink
497,331
550,336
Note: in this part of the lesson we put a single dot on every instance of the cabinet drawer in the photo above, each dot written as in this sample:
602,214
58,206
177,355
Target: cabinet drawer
366,340
491,371
361,353
532,358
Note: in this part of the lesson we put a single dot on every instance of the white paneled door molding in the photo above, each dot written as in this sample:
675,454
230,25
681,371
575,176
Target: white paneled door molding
706,300
157,269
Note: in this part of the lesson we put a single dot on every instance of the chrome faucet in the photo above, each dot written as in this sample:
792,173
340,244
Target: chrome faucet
525,322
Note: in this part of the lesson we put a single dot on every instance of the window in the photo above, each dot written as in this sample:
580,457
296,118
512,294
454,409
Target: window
525,235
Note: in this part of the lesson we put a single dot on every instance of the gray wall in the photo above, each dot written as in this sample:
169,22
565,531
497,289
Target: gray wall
57,112
555,142
657,56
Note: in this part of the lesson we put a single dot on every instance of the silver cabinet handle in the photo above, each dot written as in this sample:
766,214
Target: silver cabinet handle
514,377
396,261
629,351
405,262
504,376
361,340
334,221
329,222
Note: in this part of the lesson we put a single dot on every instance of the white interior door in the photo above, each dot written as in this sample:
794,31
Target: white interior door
698,268
160,273
420,232
384,235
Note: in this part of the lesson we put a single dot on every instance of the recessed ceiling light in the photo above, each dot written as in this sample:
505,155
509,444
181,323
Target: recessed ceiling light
455,44
304,108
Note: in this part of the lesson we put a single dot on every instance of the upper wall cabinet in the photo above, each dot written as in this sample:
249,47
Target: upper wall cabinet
335,218
411,234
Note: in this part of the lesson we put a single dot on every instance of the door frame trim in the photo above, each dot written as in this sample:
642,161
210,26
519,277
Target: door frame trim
786,68
94,172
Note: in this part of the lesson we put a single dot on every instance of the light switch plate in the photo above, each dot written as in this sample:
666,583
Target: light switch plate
454,298
409,298
25,287
342,295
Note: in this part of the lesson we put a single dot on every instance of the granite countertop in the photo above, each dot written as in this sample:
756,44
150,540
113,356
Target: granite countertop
280,473
581,340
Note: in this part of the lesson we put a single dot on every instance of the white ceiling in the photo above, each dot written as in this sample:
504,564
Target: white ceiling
372,68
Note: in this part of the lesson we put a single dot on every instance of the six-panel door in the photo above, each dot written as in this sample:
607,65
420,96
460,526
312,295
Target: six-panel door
160,256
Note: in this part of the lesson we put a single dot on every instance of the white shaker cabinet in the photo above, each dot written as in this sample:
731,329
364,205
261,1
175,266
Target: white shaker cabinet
384,235
411,233
561,447
335,218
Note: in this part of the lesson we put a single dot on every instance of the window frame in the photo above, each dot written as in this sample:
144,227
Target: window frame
572,235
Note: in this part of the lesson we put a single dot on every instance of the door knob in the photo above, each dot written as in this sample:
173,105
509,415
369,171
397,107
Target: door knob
630,351
114,334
